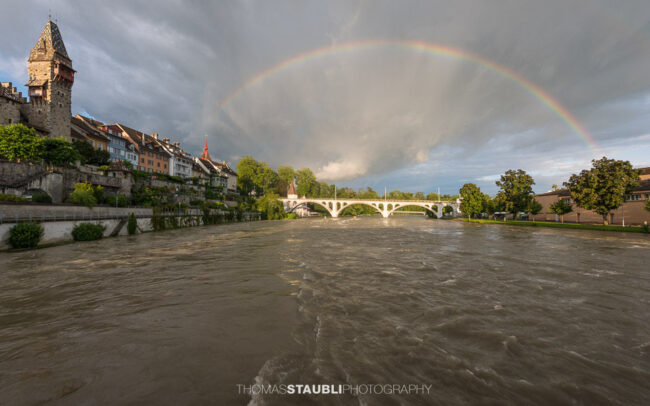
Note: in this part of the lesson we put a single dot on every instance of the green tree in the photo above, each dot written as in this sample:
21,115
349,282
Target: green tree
325,190
368,193
447,210
516,190
118,200
90,155
305,182
603,187
84,194
256,176
58,151
132,225
247,170
561,207
489,204
286,173
19,142
534,207
98,192
271,207
647,205
267,179
472,200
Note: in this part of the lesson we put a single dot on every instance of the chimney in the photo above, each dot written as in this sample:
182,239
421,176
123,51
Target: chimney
176,144
165,140
155,135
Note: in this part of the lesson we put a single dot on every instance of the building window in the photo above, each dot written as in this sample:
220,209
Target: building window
632,198
150,162
158,164
165,166
142,160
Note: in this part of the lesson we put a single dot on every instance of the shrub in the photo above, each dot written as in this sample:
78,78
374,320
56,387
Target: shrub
90,155
292,216
19,142
58,151
83,193
157,219
12,198
132,225
122,201
88,232
25,235
98,192
41,198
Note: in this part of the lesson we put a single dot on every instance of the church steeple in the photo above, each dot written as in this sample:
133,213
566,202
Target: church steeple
206,154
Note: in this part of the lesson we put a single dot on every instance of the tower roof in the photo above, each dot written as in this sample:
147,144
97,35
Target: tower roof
206,154
292,190
50,46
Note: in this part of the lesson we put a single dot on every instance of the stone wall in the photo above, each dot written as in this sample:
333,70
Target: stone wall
22,178
11,104
9,111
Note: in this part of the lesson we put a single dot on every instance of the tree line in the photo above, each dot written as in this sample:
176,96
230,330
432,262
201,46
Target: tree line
602,188
259,179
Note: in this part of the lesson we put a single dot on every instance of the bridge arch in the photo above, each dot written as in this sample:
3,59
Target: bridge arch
369,204
426,206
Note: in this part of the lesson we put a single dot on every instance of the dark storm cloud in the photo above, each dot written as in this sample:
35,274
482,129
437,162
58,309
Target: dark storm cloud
380,115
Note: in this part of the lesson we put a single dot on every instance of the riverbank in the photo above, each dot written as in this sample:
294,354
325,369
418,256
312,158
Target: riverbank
597,227
57,232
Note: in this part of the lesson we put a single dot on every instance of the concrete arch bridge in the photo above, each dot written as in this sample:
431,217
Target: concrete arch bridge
383,207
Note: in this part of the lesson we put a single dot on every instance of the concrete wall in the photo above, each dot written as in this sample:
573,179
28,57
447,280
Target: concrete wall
59,231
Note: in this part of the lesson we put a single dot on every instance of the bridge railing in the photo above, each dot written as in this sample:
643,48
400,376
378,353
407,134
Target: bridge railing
369,200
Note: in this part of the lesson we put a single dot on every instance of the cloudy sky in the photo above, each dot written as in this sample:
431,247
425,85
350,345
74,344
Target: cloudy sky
380,113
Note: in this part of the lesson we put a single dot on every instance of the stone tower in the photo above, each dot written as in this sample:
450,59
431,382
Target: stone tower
50,83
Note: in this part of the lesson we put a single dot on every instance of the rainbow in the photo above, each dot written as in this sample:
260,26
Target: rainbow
434,49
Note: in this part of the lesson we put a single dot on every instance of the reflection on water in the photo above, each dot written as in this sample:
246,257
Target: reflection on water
485,314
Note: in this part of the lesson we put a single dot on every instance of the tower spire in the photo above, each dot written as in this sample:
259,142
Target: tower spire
206,154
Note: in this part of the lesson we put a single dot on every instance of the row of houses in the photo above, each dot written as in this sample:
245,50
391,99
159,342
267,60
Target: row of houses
149,153
48,111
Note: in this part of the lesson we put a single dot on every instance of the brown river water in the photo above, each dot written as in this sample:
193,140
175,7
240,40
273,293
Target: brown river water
484,314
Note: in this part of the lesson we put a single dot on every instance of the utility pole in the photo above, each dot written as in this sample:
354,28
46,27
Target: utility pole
438,193
384,194
334,192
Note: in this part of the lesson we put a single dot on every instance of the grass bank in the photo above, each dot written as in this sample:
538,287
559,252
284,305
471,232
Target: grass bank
597,227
